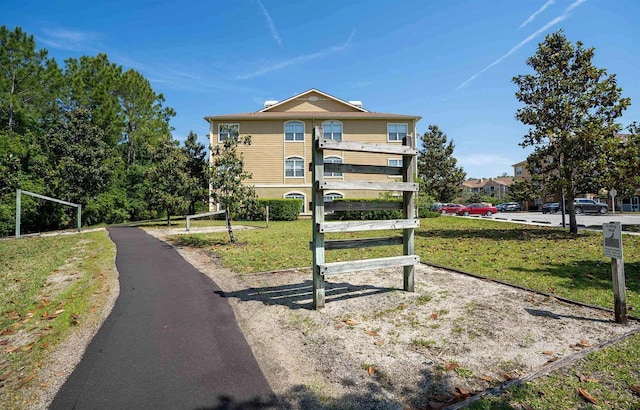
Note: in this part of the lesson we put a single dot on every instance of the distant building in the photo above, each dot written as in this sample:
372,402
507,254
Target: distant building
521,173
491,187
282,142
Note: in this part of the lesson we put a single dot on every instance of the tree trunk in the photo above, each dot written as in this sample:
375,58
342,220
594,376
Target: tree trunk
228,216
573,223
168,217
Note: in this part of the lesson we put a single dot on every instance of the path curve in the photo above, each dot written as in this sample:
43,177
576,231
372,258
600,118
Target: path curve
171,342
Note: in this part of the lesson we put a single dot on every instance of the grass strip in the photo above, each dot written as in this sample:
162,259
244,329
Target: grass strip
48,285
541,258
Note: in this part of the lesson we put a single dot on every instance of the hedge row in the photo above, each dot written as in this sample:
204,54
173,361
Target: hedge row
279,210
352,215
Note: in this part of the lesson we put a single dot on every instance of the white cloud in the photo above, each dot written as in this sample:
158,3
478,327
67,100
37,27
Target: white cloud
540,10
527,40
481,165
297,60
64,39
272,26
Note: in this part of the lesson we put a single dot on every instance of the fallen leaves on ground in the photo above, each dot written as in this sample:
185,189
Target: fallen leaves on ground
587,396
451,366
350,322
372,333
584,378
371,370
28,347
26,380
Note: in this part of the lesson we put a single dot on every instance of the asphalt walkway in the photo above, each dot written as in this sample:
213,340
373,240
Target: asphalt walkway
170,342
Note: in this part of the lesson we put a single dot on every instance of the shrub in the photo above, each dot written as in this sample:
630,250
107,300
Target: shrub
425,213
371,214
109,207
279,210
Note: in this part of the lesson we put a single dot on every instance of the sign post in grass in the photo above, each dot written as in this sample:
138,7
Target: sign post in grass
612,237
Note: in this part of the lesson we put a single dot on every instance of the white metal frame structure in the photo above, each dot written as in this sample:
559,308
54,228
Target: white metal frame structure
19,193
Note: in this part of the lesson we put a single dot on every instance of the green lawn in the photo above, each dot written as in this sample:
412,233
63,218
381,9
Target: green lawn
541,258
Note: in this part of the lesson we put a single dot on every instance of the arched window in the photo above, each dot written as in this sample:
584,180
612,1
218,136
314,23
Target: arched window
297,195
294,167
294,131
331,196
333,160
332,130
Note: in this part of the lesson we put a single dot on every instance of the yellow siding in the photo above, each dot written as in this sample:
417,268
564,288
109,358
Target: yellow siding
264,158
306,103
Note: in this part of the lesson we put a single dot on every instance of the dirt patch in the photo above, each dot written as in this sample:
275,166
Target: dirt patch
376,346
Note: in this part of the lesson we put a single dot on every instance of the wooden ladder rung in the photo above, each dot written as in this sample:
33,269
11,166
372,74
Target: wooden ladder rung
370,225
366,264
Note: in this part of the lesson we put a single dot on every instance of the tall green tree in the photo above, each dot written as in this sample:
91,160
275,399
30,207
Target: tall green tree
27,79
197,168
228,174
82,162
571,107
623,170
91,83
439,175
145,120
523,191
168,178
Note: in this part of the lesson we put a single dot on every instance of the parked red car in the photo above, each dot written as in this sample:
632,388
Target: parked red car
449,208
477,209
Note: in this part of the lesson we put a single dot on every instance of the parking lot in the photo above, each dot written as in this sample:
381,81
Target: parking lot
584,220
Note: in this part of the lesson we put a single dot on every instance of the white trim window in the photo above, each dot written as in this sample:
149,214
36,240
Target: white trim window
394,162
396,132
333,160
296,195
294,167
332,130
331,196
293,131
226,130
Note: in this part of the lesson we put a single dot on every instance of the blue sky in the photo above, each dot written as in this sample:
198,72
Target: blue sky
450,62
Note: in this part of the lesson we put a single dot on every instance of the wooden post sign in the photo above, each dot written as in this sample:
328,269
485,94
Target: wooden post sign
612,238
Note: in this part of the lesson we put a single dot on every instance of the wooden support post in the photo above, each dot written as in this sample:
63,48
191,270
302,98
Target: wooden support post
408,212
619,294
318,219
612,241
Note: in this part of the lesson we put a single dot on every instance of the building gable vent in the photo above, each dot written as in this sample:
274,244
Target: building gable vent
269,103
356,103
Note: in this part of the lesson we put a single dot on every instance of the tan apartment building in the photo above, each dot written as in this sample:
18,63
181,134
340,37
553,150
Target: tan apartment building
282,142
492,187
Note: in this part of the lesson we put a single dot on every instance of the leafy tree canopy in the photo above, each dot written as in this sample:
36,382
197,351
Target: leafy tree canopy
439,175
571,107
228,174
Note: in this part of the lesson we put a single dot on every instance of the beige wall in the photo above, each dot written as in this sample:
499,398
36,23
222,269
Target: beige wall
265,157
